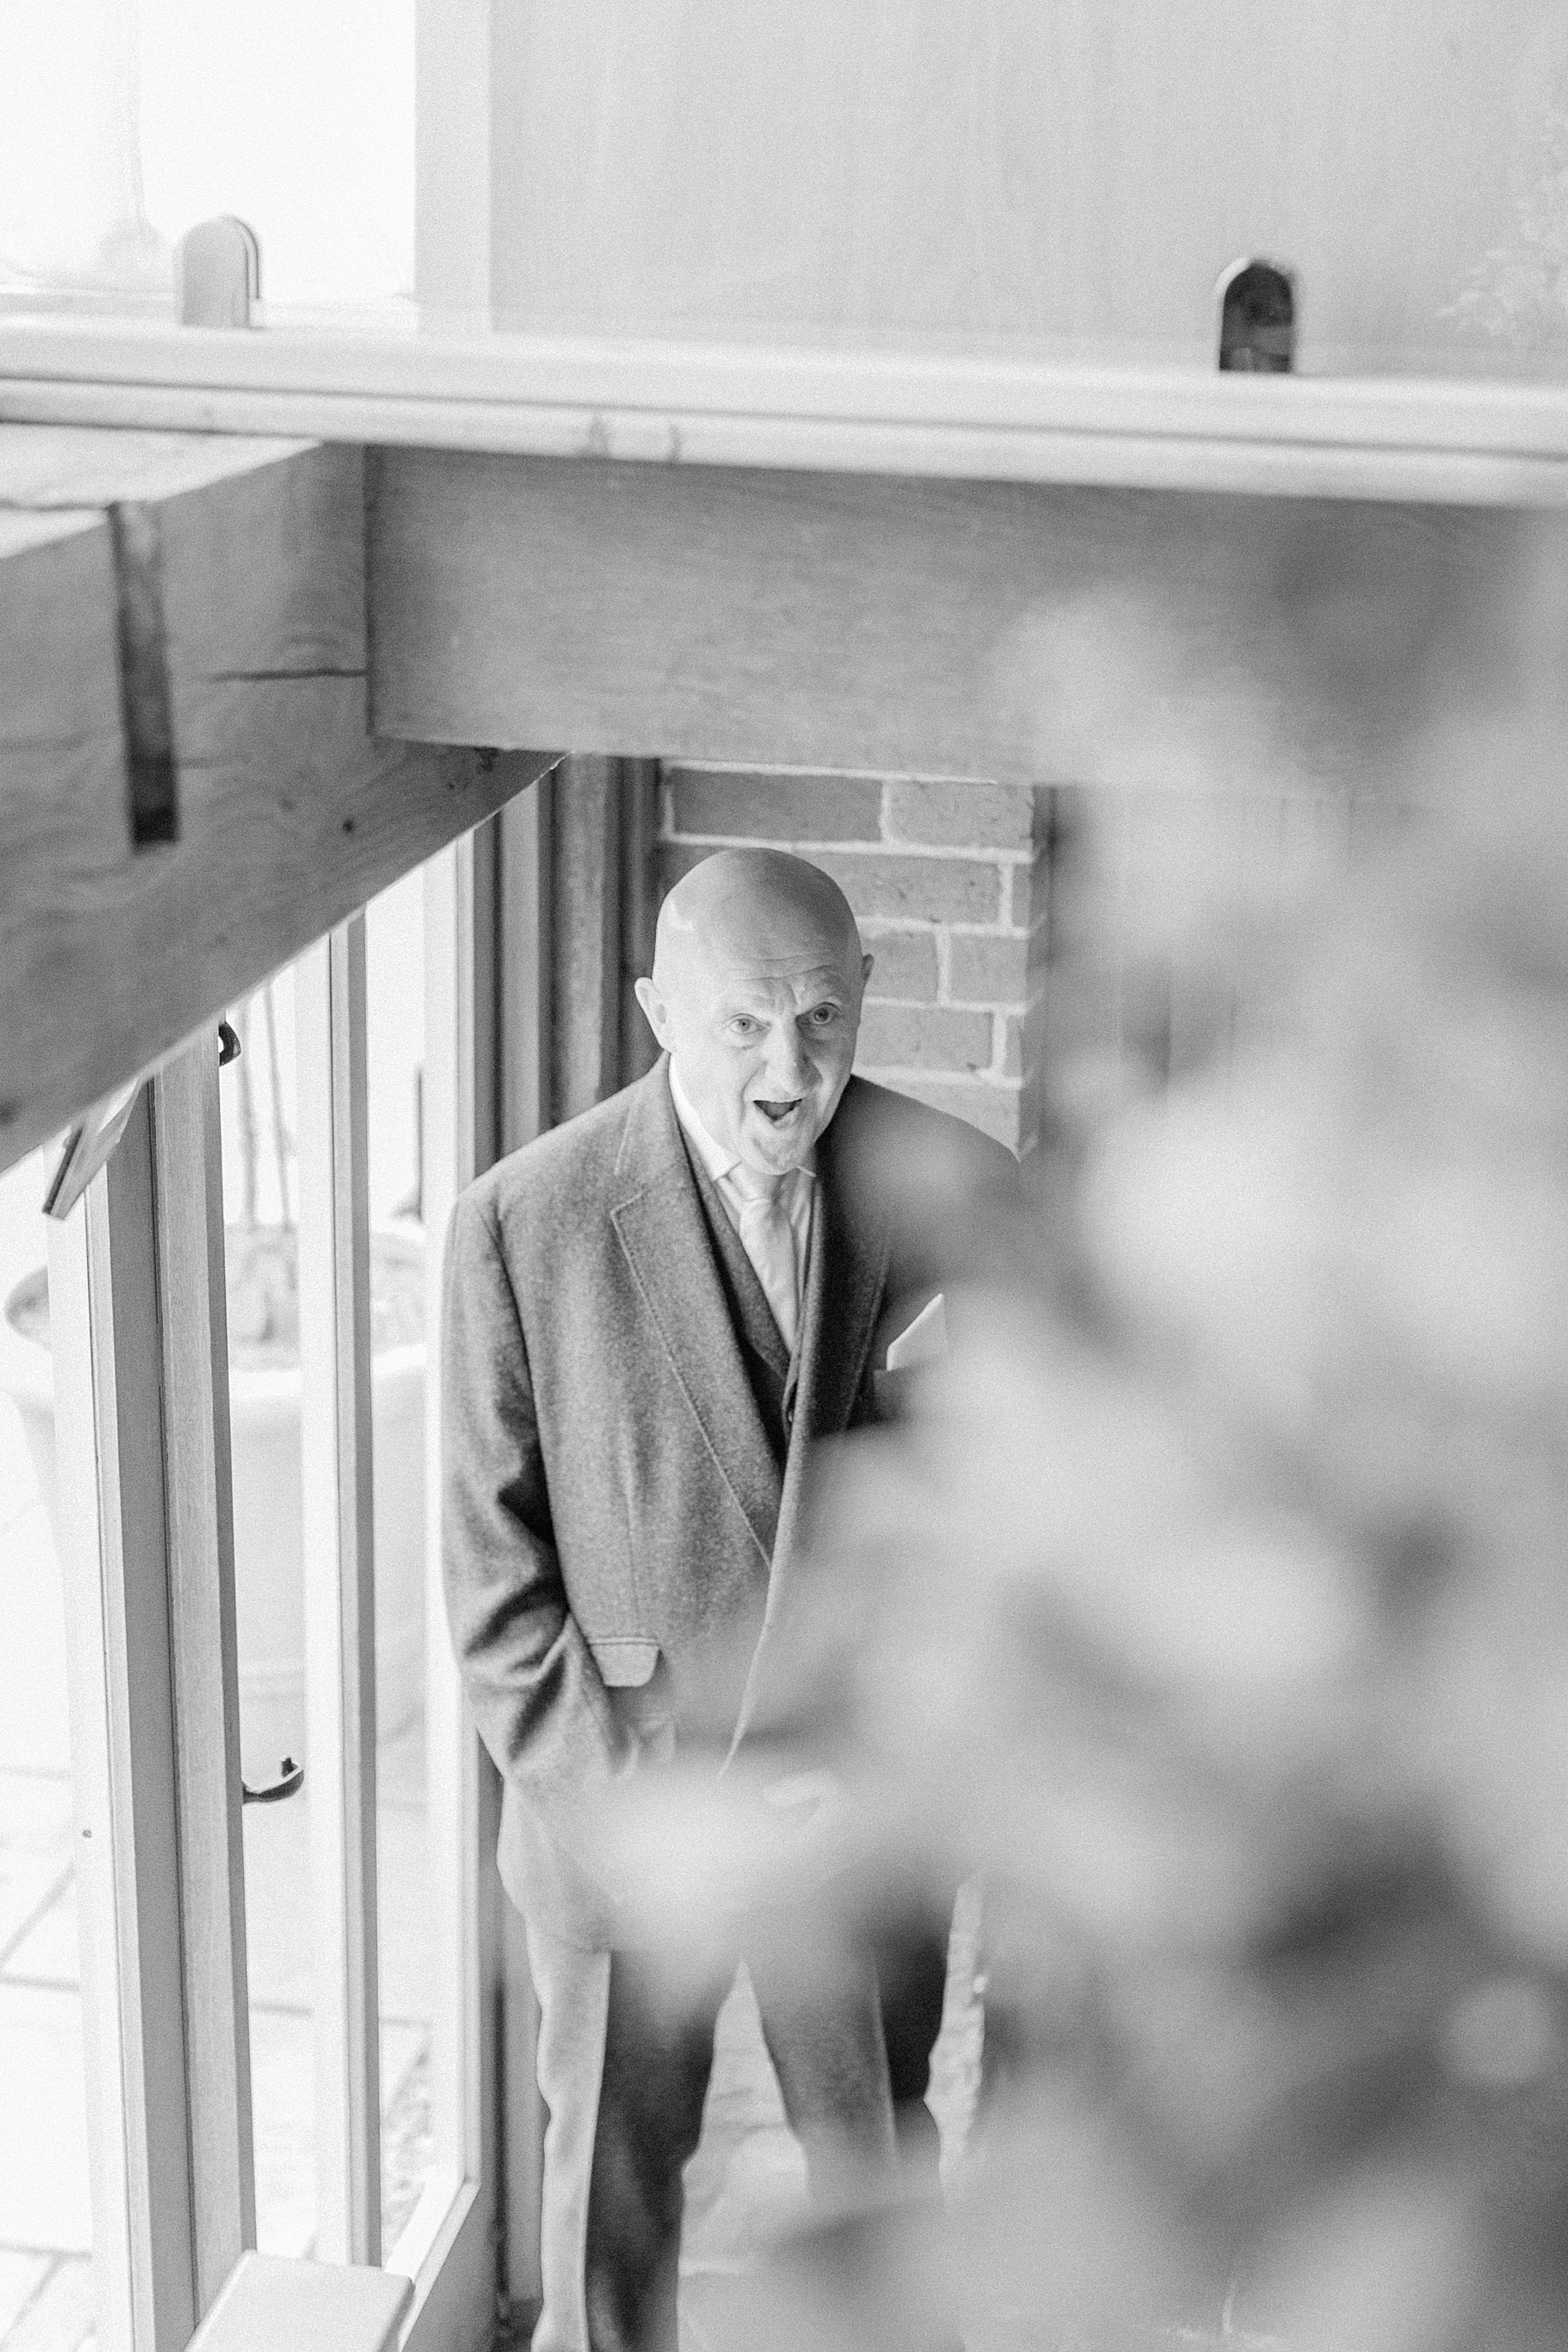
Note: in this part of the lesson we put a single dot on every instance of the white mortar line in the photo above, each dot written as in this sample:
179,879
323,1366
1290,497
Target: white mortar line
987,853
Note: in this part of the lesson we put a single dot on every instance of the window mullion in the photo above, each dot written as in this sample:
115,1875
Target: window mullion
449,2246
104,1324
187,1168
458,1055
339,1575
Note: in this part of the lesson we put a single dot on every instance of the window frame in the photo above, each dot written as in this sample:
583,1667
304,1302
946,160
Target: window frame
137,1275
147,1572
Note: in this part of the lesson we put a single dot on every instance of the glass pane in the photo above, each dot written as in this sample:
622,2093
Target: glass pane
394,992
298,118
123,122
45,2230
261,1194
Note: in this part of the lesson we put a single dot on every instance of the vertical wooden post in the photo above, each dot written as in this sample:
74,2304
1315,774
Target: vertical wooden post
638,910
340,1588
523,965
585,842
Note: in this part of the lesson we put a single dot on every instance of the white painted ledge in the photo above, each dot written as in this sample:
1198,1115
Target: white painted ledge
267,2305
934,413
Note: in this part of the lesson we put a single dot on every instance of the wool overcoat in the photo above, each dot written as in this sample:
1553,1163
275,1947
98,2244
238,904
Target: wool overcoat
619,1525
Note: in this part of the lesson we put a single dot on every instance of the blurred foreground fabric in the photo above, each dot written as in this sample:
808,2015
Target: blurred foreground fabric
1210,1609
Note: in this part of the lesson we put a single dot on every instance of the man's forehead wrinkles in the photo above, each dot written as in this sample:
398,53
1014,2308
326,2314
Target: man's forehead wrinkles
777,986
766,970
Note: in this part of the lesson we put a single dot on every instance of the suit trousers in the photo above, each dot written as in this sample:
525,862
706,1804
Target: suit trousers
623,2072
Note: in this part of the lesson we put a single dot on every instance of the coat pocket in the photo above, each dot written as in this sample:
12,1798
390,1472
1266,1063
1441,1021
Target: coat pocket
625,1662
638,1693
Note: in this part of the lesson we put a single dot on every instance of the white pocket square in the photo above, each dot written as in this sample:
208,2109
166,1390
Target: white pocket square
920,1341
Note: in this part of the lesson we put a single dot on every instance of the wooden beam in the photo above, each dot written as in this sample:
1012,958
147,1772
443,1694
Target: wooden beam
241,564
983,629
63,799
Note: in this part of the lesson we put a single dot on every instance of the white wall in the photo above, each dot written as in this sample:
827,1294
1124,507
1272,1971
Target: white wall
1057,168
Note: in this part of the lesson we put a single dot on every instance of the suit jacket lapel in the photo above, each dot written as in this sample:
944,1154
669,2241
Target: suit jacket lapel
845,1278
664,1234
847,1273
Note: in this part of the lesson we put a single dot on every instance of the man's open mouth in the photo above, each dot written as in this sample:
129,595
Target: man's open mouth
778,1112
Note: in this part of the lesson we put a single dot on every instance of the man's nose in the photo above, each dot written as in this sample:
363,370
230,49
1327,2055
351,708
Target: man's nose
788,1069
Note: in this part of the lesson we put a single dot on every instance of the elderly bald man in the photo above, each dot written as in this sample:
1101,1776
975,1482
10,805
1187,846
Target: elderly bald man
651,1313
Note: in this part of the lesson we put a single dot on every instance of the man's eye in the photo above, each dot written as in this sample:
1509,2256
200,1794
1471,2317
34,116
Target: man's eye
823,1015
743,1025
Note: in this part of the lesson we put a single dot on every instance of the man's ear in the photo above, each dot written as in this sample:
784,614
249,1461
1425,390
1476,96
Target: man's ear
866,964
658,1011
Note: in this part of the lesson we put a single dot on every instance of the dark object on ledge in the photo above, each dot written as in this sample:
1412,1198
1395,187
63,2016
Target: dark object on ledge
291,1776
1256,301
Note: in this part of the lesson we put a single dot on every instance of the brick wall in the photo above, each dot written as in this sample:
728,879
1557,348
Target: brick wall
948,882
